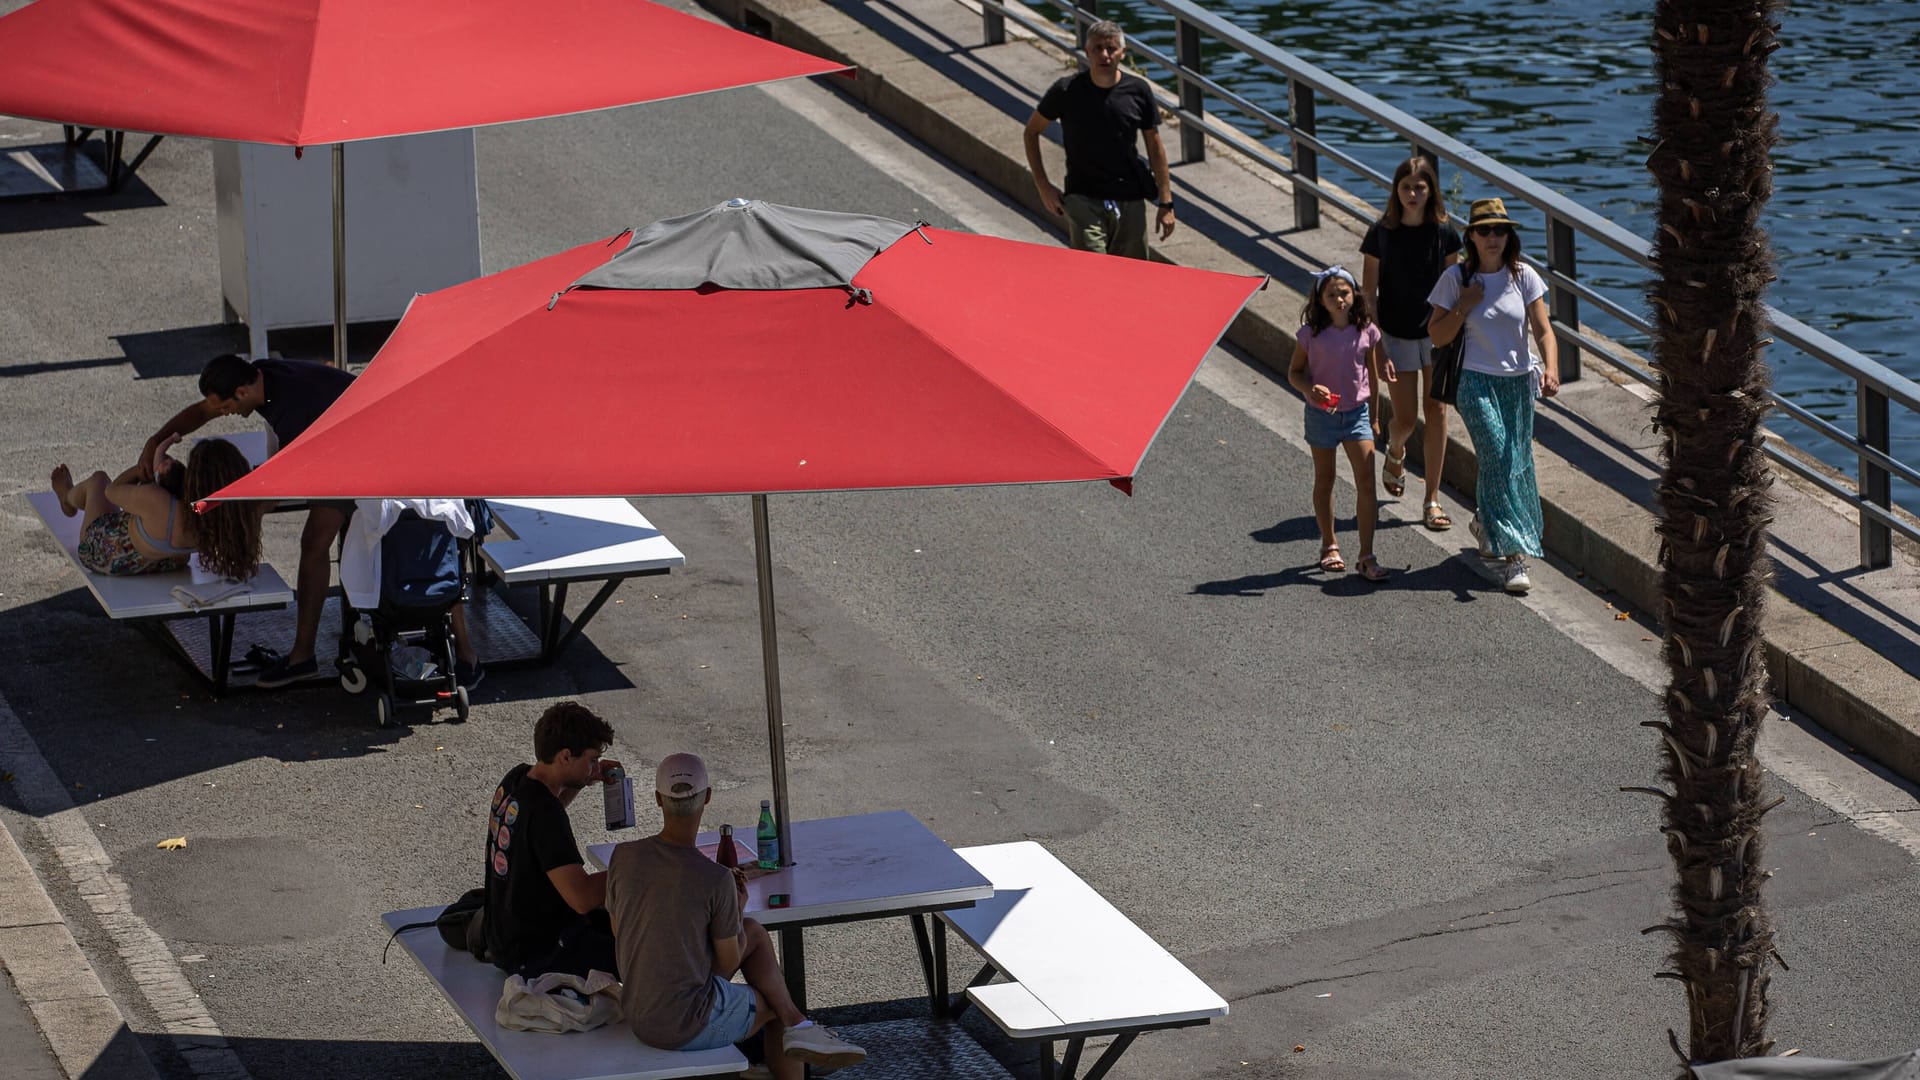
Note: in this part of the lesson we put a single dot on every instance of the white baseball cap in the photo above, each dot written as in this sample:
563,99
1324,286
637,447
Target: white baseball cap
680,775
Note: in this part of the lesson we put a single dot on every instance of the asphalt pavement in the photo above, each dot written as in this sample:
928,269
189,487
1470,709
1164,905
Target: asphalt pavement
1383,822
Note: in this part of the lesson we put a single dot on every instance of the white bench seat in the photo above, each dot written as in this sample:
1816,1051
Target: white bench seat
552,543
472,987
1077,966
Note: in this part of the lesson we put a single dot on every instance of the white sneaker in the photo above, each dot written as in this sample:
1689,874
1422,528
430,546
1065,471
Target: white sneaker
819,1047
1514,579
1480,537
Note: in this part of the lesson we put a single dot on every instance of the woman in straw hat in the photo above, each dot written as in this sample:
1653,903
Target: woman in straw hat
1494,300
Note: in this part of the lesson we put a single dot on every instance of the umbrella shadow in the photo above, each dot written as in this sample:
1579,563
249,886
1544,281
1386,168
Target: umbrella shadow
28,203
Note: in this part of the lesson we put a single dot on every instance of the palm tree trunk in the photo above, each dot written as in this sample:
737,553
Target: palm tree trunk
1714,133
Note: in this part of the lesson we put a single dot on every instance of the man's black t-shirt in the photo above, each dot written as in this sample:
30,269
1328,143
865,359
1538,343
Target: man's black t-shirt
528,834
297,392
1411,258
1101,128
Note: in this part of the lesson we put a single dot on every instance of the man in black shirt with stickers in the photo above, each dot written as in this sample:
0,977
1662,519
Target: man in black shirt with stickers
290,395
1100,111
545,912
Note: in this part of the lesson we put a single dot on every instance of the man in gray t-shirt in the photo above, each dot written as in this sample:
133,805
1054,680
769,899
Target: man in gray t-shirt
680,938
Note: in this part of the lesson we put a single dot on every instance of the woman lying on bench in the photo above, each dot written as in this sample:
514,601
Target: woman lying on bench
134,527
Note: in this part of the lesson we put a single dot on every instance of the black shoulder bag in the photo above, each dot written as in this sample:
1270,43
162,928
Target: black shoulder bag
1447,358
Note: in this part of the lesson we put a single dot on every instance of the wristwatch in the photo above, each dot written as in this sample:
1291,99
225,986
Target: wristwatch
1168,205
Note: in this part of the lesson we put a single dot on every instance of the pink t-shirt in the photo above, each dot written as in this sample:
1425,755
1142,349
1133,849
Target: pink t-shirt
1337,360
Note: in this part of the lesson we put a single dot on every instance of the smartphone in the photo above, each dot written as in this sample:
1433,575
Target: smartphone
777,900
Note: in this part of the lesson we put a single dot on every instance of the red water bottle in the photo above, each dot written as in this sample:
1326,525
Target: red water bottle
726,856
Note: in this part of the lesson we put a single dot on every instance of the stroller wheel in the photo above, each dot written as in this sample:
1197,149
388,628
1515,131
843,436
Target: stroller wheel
353,677
383,711
460,705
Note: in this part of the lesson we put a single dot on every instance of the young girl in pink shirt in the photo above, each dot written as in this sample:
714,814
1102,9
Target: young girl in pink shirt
1339,367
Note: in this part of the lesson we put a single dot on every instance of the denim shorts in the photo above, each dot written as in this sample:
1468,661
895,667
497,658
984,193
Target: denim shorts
731,1019
1408,354
1326,430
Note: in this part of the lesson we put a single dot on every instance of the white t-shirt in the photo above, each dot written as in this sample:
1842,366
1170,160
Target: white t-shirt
1496,328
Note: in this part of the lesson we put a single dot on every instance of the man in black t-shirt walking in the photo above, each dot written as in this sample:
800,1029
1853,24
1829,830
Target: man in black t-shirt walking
1100,111
544,911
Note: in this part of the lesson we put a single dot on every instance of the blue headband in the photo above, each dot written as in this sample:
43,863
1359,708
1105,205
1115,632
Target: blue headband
1338,271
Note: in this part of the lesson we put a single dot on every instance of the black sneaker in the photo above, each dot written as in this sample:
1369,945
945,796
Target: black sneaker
468,675
281,673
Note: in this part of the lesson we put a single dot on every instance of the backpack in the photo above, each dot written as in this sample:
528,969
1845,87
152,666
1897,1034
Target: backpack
462,925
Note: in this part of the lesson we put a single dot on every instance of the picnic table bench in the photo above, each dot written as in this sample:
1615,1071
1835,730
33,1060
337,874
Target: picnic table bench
552,543
147,600
1076,966
472,987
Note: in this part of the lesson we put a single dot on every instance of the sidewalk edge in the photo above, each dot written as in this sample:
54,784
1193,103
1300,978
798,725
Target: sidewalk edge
69,1004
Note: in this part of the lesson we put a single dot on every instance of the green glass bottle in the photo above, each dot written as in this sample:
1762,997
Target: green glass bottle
768,835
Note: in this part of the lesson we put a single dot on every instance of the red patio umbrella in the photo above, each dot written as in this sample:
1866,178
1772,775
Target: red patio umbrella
318,72
751,349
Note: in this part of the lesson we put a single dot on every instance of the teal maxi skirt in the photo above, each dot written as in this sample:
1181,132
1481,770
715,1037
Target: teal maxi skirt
1498,412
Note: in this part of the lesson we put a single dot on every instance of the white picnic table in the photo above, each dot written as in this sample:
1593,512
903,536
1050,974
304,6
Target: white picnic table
552,543
1077,966
868,866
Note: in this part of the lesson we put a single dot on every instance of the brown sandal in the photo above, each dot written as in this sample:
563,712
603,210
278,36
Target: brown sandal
1330,560
1371,569
1435,517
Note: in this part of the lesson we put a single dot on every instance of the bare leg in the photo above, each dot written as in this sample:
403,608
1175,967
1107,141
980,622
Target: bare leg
316,573
1323,462
61,482
1360,454
773,1045
1406,395
762,969
89,497
1436,440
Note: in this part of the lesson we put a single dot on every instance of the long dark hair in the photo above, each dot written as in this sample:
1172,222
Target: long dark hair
228,533
1316,315
1509,254
1436,202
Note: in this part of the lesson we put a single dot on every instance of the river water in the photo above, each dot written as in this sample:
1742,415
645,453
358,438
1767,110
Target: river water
1561,92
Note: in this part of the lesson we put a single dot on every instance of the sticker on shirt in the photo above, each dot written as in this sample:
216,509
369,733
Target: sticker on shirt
513,811
503,839
499,793
500,864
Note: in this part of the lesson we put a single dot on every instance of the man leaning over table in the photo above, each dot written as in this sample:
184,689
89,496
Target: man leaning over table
290,395
676,917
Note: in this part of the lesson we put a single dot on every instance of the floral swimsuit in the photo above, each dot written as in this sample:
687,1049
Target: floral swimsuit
106,545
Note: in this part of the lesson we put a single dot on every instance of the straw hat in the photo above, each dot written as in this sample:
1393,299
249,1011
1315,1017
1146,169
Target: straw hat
1490,212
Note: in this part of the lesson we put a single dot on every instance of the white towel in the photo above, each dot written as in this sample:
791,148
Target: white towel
197,595
541,1005
360,551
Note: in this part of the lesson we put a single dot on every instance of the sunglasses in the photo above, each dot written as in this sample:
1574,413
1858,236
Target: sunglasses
1490,230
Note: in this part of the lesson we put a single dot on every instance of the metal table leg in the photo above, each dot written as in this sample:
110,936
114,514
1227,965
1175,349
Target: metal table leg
793,965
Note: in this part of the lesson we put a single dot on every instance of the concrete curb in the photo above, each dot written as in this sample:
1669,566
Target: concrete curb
79,1020
1845,686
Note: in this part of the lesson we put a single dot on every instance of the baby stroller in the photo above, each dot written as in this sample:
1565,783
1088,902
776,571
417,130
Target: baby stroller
404,646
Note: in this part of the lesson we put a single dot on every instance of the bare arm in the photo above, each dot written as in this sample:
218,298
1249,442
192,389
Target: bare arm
1298,378
190,419
582,891
1049,195
726,956
1162,181
1370,284
1542,325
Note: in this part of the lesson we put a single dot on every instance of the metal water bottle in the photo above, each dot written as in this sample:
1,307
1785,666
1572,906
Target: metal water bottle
726,856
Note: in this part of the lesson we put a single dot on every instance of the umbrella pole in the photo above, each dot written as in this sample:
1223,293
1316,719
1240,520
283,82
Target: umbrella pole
340,256
770,660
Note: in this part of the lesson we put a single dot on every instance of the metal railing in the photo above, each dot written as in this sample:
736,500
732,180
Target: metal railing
1876,387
